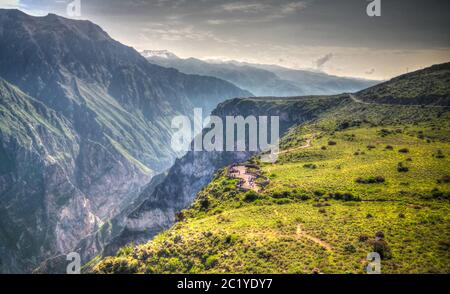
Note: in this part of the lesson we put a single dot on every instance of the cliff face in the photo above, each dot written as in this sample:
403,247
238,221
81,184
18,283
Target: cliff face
85,125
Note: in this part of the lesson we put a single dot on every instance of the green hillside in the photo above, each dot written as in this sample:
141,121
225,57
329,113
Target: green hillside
427,86
352,180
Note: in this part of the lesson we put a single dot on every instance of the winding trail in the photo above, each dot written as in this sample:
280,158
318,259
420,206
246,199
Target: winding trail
301,233
307,145
353,97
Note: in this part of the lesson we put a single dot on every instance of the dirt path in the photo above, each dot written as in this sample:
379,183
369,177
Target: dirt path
307,145
301,233
353,97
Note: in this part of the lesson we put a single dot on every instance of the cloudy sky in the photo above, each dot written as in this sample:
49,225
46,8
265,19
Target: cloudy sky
337,37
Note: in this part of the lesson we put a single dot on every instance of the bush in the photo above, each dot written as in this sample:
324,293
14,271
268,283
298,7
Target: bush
444,245
310,166
319,193
403,150
332,143
251,196
370,147
389,147
282,201
281,194
344,196
371,180
437,194
323,148
349,248
440,154
381,247
302,197
322,210
444,180
401,168
211,261
204,203
363,238
231,239
379,235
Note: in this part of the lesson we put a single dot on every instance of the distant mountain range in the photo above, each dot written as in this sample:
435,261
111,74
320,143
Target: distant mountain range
262,80
85,123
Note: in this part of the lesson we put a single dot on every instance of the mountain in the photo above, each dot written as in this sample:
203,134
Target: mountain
352,177
85,125
427,86
262,80
159,54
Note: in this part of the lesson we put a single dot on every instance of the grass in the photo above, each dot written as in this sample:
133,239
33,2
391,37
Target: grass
312,219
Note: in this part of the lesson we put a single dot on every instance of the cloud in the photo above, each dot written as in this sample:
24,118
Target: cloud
254,12
244,7
320,63
9,3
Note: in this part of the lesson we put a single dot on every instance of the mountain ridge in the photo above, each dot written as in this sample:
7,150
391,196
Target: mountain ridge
265,80
116,107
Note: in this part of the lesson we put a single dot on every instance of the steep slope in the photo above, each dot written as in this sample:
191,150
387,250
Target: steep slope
427,86
116,107
262,80
351,179
192,172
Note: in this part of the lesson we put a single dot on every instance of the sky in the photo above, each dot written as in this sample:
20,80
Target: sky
337,37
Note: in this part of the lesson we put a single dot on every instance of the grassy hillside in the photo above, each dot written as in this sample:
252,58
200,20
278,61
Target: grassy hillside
427,86
364,170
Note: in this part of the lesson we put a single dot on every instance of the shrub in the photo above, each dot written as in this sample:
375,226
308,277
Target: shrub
371,180
401,168
384,132
363,238
204,203
323,148
437,194
403,150
444,245
282,201
389,147
369,215
444,180
379,235
319,193
349,248
440,154
344,196
322,210
320,204
302,197
251,196
231,239
310,166
281,194
211,261
370,147
332,143
381,247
